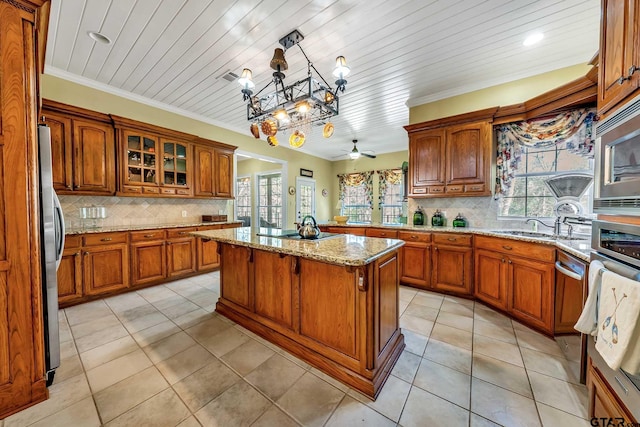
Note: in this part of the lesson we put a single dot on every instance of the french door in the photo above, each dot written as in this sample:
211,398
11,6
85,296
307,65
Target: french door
305,198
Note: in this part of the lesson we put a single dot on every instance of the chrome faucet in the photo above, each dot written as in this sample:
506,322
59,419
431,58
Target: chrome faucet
556,225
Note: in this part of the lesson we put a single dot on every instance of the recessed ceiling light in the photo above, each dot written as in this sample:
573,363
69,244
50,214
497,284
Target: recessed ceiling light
533,39
100,38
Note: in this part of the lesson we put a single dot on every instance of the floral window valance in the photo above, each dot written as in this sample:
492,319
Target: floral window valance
356,180
572,130
388,177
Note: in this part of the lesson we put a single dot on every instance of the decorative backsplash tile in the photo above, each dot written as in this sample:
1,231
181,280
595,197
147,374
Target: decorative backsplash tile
141,211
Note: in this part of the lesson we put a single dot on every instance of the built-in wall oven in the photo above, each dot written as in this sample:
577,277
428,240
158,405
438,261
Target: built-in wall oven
617,246
617,169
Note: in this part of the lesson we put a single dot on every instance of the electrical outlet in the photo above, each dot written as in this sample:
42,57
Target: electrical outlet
184,214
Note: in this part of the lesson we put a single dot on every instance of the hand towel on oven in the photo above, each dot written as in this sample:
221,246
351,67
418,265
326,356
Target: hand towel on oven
588,321
619,322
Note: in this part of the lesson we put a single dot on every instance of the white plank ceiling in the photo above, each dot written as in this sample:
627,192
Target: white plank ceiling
173,53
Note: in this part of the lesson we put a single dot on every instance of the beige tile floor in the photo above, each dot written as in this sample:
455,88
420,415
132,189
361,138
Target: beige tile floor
162,357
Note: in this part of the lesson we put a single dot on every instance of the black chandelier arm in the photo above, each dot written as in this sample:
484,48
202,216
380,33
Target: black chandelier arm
266,86
310,64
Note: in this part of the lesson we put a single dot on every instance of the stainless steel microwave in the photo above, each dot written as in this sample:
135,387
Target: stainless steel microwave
617,168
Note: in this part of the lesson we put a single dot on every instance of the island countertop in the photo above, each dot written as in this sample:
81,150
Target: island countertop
340,249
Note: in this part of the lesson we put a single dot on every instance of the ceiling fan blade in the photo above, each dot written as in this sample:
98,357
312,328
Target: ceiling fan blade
371,156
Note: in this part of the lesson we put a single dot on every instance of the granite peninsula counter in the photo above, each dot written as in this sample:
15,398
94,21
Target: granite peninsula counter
333,302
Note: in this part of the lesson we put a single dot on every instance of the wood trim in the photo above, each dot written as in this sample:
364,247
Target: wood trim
123,122
26,5
474,116
42,28
75,111
215,144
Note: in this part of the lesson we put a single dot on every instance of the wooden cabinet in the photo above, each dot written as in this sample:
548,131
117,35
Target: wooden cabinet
214,169
448,160
22,370
153,161
603,402
181,252
354,231
274,286
207,251
452,259
105,263
70,271
237,270
517,277
148,256
415,260
83,150
619,59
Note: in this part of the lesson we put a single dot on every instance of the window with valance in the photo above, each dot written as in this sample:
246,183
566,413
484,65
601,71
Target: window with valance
531,151
390,195
356,195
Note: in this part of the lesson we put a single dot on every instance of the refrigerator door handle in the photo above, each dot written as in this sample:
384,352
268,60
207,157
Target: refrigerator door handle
59,228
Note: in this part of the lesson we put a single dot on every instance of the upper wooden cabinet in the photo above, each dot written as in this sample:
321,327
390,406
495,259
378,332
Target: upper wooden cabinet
619,52
83,149
451,157
154,161
214,169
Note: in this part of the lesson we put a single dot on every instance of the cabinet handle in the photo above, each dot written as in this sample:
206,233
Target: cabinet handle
632,70
510,262
508,248
452,239
77,253
86,253
250,256
383,234
182,233
435,248
622,79
296,266
106,239
626,391
362,281
69,187
148,236
414,237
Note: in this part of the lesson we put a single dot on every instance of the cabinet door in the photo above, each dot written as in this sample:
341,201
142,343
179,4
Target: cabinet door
273,287
491,282
148,262
205,172
181,256
618,52
106,268
70,276
603,403
416,265
207,251
531,293
224,173
235,271
452,269
176,166
61,151
467,154
139,158
94,157
426,160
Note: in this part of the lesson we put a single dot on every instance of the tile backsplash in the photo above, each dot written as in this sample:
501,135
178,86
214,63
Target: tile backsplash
141,211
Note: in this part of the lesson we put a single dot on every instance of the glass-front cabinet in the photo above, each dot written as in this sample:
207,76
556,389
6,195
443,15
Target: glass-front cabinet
142,152
174,163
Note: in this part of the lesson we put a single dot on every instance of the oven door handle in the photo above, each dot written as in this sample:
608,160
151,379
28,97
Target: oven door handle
562,269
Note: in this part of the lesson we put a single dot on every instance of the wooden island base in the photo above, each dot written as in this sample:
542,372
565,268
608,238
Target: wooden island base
340,319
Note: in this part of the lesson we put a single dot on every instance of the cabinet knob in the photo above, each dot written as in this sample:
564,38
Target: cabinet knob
69,187
86,253
452,239
435,248
77,253
510,262
502,259
508,248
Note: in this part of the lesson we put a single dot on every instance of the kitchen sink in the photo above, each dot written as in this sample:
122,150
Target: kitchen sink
537,235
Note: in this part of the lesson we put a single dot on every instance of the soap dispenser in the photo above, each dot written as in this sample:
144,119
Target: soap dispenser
418,216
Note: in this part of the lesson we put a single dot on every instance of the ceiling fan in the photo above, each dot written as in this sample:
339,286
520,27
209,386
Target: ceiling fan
355,154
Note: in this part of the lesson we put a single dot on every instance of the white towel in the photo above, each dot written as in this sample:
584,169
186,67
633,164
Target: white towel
618,338
588,321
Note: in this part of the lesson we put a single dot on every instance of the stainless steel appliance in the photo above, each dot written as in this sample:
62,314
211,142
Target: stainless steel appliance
617,170
52,244
618,247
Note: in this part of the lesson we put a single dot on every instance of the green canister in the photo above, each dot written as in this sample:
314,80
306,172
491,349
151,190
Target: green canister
459,221
418,216
437,220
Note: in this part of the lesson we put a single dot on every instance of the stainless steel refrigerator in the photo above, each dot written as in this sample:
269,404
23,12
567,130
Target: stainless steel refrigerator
52,244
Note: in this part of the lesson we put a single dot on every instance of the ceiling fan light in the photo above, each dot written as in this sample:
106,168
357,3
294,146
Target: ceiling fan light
341,69
354,154
246,79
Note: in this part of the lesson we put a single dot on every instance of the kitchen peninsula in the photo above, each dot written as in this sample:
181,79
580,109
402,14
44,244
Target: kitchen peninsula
332,302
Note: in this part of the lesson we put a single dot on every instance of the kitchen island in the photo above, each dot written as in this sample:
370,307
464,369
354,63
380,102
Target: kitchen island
332,302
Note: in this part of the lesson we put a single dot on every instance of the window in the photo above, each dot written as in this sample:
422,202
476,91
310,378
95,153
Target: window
528,196
355,203
270,200
243,200
391,203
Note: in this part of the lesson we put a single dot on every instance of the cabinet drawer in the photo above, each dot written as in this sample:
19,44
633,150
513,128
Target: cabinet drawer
381,232
454,189
144,235
409,236
538,251
420,190
74,241
438,189
452,239
131,189
183,191
104,238
474,188
151,190
180,232
167,191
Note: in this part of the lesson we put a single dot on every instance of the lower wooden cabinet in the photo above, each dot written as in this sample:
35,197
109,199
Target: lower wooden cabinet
236,269
603,402
531,292
207,251
452,263
490,280
105,268
70,271
415,268
181,256
148,262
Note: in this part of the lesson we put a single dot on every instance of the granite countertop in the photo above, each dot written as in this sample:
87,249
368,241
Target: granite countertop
340,249
579,247
110,228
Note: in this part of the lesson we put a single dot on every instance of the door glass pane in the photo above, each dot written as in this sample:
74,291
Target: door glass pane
149,160
181,178
270,200
150,176
168,177
181,151
133,142
135,174
168,164
168,148
181,165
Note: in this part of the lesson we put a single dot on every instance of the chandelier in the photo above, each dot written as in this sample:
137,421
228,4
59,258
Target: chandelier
295,107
